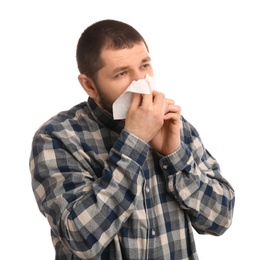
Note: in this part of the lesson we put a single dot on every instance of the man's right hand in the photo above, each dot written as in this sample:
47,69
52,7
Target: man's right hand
146,115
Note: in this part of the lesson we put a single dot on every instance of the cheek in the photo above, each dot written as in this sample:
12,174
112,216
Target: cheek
119,88
110,90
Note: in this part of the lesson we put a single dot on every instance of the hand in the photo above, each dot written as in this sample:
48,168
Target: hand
167,139
146,115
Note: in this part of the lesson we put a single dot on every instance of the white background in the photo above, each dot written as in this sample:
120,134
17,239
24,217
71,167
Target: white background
203,57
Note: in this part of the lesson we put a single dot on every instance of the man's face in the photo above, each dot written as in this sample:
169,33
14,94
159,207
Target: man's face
121,68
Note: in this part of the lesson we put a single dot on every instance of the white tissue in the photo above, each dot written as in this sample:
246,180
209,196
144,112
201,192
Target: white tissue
122,104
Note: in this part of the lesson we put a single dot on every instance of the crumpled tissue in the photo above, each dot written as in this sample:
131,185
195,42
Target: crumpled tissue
122,104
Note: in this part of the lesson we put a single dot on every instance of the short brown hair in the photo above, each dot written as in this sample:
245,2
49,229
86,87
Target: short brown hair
109,34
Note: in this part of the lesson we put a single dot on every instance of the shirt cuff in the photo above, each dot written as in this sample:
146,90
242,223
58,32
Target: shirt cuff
178,161
131,146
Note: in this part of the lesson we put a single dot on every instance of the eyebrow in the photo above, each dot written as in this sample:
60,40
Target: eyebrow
147,59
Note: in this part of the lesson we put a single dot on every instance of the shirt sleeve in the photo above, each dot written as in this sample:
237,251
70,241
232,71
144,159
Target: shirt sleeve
194,179
86,211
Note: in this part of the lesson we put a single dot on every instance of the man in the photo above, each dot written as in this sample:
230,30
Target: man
125,189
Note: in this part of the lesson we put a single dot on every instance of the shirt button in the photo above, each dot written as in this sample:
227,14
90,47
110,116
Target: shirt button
147,189
164,166
153,232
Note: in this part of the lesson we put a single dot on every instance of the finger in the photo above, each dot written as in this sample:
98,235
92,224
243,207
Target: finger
170,101
174,108
173,113
158,97
136,100
172,117
161,102
147,99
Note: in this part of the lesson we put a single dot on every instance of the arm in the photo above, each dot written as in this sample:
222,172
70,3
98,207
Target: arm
86,212
195,181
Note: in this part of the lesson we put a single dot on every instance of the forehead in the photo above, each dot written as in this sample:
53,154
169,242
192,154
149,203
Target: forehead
126,56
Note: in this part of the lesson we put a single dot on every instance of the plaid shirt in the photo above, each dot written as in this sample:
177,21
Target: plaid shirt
108,195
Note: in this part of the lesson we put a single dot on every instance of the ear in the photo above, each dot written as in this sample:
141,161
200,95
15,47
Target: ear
88,85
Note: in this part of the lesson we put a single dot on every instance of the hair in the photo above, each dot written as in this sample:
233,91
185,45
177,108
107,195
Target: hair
104,34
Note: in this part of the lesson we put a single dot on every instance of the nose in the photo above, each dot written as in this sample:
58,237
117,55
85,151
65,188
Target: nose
136,75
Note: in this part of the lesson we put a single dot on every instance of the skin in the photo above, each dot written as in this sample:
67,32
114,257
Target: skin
151,117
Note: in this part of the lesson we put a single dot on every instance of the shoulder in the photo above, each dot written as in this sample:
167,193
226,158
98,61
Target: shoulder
64,120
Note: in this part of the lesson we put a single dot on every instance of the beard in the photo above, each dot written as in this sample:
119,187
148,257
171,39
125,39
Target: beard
104,101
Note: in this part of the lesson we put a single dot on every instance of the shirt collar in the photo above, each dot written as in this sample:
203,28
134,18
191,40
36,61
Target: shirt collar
105,118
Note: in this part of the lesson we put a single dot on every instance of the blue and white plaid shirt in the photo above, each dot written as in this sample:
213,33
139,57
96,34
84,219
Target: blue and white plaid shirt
108,195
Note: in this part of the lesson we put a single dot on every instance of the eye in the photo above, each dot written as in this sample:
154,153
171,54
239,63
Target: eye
121,74
146,65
